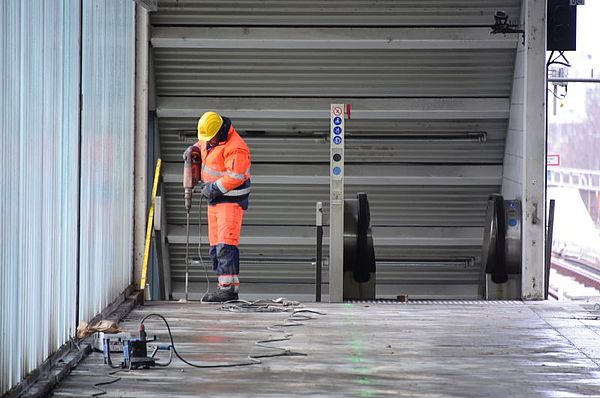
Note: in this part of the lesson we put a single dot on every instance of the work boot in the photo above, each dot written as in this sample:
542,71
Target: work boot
221,295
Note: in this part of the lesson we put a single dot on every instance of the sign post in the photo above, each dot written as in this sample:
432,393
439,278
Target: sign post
336,205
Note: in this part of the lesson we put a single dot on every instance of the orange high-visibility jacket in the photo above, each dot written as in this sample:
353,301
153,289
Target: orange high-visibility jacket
227,165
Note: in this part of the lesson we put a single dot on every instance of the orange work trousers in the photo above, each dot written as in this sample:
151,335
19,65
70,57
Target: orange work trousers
225,223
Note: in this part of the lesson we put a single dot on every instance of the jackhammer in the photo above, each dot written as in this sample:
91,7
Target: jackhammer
192,166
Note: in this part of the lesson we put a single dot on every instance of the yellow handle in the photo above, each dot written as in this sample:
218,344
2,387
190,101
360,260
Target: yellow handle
149,228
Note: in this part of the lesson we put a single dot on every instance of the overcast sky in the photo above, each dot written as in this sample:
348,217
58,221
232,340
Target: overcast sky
583,61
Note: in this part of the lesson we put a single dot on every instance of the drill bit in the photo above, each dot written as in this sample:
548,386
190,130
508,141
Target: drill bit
187,253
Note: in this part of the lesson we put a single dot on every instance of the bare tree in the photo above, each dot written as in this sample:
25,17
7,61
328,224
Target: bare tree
579,143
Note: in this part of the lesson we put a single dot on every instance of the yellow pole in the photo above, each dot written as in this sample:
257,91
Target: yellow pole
150,226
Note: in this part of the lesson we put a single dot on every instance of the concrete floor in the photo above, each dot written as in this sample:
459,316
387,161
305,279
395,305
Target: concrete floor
423,349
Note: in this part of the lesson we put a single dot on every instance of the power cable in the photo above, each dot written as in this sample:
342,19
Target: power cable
252,306
233,306
559,96
200,248
187,251
280,305
252,359
293,320
163,364
106,383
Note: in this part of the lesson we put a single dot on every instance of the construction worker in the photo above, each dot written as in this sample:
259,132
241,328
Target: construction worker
226,177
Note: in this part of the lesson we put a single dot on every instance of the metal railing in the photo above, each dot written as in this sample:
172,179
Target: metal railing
588,180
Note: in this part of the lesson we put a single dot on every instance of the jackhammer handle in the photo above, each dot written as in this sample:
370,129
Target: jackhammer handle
192,165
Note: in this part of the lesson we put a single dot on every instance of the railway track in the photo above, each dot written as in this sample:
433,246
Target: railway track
573,279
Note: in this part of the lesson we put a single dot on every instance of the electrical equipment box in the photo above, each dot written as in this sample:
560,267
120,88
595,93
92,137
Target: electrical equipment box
115,341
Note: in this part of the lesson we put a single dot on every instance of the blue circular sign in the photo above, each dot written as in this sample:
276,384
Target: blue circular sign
337,130
337,171
337,120
512,222
337,140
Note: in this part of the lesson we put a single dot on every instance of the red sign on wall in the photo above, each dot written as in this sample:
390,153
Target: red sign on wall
553,160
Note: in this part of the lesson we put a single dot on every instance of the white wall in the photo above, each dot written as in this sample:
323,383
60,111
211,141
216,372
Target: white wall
39,108
106,200
512,176
44,194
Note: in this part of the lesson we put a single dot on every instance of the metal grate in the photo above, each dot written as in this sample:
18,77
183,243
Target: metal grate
437,302
466,302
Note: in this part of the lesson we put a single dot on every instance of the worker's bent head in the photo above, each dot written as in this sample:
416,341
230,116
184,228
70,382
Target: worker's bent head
209,125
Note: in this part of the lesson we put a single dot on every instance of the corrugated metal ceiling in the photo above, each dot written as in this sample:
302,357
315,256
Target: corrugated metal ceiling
329,73
332,12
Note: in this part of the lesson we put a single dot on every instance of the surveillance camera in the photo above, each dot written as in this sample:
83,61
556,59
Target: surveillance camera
500,18
501,15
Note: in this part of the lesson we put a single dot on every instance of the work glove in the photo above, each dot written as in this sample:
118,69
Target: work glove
210,191
188,152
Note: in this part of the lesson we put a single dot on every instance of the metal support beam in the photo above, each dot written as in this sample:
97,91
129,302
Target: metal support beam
586,180
316,108
257,235
572,80
332,38
336,203
383,236
534,144
162,247
141,140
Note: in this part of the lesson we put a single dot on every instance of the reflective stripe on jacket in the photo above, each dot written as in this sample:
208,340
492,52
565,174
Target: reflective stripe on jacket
228,166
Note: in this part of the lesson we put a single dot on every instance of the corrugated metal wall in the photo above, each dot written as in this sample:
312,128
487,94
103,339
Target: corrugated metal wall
107,152
39,92
429,87
39,113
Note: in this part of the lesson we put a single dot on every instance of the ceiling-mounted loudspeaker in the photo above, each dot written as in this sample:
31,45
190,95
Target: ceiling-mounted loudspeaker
562,25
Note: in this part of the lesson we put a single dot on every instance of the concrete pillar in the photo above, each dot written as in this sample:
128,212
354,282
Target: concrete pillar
141,140
534,150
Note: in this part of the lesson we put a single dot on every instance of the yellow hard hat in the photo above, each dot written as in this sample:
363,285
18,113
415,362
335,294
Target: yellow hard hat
209,125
